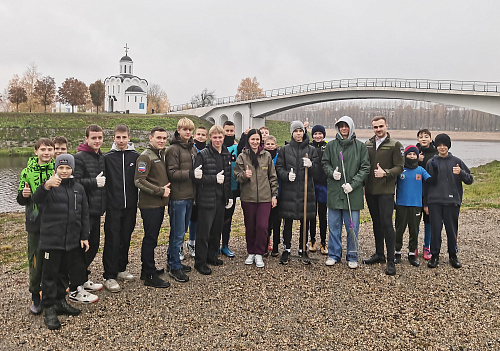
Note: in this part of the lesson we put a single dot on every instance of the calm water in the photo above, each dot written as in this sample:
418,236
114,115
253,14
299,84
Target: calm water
473,153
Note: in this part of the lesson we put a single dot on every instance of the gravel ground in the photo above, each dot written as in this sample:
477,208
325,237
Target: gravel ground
292,307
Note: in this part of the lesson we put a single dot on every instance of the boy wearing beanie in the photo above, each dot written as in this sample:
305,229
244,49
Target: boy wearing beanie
64,230
409,204
443,197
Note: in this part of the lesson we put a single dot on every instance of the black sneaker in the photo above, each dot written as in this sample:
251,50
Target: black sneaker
203,269
179,275
158,272
62,307
390,269
285,257
274,253
215,262
185,268
413,260
455,263
50,318
397,258
155,281
433,262
375,258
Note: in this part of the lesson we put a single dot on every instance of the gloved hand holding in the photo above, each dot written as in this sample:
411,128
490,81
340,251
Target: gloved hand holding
347,188
220,177
229,204
291,176
307,162
101,180
337,174
198,173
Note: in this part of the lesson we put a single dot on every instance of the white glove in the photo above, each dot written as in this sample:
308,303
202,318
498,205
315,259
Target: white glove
347,188
101,180
198,173
307,162
291,176
220,177
229,204
337,174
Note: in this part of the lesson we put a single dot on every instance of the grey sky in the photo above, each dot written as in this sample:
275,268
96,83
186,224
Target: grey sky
186,46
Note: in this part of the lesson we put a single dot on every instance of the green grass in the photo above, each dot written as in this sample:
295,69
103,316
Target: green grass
485,191
280,130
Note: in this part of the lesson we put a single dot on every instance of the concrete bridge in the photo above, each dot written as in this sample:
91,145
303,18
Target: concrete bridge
252,109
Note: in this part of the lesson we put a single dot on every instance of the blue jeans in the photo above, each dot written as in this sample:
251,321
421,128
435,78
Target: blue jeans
180,214
335,219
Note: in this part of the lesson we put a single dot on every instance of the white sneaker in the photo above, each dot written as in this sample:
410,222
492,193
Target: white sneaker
330,261
191,249
259,262
352,264
250,259
125,276
112,285
80,295
182,257
89,285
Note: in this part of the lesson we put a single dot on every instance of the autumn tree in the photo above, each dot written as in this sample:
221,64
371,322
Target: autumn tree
157,99
45,91
28,81
205,98
17,93
96,90
73,92
249,89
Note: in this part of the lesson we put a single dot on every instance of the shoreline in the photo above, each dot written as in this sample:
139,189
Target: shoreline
412,134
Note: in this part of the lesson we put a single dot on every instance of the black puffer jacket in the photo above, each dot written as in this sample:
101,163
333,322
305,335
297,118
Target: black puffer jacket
120,169
207,189
291,201
320,177
88,165
64,216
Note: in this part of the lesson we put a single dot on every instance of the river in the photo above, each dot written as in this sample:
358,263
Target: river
473,153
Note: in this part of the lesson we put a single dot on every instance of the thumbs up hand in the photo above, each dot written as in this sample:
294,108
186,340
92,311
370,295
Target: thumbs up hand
306,123
336,174
198,173
26,190
53,182
248,172
456,169
379,172
291,176
101,180
166,190
220,177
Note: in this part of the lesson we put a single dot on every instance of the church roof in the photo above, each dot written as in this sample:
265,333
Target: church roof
126,58
123,76
135,89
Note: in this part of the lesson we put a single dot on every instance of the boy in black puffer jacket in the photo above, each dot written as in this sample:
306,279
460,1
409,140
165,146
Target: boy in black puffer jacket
64,228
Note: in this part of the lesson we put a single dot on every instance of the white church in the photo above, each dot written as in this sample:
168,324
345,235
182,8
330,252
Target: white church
126,93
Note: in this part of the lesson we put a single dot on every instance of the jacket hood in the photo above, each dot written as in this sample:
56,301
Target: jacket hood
86,148
176,139
348,120
130,147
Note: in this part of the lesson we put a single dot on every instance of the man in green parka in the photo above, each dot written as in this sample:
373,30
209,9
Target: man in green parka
344,188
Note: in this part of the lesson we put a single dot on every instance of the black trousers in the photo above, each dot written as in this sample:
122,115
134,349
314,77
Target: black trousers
94,240
275,227
152,219
208,232
381,208
447,215
407,216
58,265
118,228
287,233
311,223
228,218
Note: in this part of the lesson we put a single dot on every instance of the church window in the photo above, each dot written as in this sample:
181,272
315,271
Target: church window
125,67
118,88
141,98
136,99
128,98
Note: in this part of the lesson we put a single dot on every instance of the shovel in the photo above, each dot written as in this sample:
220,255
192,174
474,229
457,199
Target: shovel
305,257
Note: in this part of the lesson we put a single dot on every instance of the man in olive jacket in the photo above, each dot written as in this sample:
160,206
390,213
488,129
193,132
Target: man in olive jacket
343,186
386,163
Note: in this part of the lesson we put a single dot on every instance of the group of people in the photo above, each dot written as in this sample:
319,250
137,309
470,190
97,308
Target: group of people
65,197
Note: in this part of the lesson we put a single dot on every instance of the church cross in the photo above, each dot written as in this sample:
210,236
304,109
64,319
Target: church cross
126,49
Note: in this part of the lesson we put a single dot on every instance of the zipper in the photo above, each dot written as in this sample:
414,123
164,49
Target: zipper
123,174
75,200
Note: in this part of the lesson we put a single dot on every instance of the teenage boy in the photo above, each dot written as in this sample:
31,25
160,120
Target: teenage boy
386,163
38,170
89,171
213,194
152,180
180,158
64,231
60,145
444,197
200,142
427,150
232,147
121,210
271,146
294,159
345,189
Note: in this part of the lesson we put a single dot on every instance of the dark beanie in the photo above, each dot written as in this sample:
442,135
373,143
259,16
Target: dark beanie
319,128
411,148
65,159
443,139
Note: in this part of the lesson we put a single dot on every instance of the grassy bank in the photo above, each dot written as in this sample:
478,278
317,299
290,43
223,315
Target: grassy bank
485,191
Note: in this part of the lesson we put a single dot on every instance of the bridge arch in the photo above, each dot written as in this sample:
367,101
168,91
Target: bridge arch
238,123
223,118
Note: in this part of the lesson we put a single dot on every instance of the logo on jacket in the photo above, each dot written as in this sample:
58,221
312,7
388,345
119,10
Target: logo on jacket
419,177
141,167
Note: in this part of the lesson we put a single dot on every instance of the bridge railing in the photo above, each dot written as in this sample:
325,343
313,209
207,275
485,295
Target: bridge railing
398,83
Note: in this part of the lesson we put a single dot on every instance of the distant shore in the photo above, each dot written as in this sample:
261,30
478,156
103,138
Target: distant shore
412,134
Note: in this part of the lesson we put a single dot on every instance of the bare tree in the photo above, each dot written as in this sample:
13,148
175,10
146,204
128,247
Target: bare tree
157,99
45,91
28,81
206,98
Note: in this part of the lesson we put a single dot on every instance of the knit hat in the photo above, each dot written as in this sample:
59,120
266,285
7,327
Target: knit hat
443,139
411,148
65,159
296,125
319,128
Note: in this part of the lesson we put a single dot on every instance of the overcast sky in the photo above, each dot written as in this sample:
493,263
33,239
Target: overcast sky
186,46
